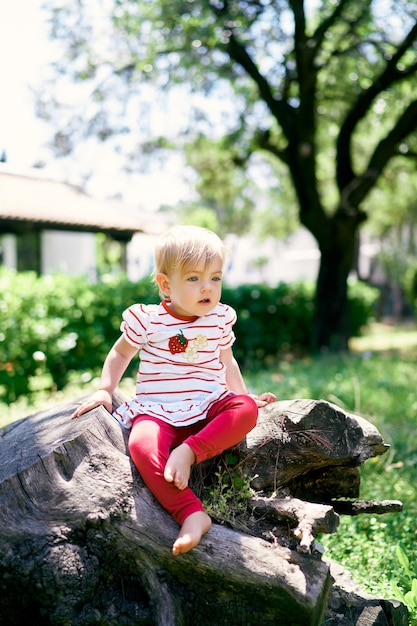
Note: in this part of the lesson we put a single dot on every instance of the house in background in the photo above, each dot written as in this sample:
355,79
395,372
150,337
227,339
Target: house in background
49,226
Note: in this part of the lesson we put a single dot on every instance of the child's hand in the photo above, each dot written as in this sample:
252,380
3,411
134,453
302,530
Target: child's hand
264,398
100,398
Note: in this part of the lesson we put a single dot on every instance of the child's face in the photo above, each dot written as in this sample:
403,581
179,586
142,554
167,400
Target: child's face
197,291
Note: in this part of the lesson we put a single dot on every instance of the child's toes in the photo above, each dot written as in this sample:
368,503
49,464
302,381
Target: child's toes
169,474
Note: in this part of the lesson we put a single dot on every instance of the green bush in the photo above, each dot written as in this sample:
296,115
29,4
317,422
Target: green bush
53,325
271,320
362,302
410,285
274,320
34,331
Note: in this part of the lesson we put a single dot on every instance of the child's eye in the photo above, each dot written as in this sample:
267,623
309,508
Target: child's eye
192,278
217,278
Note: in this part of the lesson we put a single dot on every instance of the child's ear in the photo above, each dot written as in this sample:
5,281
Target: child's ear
163,284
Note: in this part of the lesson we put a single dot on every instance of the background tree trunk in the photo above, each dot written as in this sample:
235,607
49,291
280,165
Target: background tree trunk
337,240
83,542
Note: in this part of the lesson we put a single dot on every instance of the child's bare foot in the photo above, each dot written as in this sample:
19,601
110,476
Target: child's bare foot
194,527
178,467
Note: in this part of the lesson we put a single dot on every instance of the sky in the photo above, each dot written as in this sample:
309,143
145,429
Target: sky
25,51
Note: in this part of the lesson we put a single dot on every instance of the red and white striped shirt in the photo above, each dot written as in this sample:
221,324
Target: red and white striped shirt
180,373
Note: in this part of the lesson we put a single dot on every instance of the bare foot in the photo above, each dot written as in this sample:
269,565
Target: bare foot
194,527
178,467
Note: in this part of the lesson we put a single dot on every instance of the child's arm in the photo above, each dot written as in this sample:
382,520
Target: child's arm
114,367
234,378
235,382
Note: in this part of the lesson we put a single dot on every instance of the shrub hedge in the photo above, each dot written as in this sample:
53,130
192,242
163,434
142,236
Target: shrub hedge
410,285
51,326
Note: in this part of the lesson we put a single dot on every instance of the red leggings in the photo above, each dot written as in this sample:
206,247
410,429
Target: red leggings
151,441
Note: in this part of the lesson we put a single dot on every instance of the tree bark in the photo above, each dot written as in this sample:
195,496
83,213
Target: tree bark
83,542
301,438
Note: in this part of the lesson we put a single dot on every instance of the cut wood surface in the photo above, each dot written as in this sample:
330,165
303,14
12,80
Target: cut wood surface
297,437
83,542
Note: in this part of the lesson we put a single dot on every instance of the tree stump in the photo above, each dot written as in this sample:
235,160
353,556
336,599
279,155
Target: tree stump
83,542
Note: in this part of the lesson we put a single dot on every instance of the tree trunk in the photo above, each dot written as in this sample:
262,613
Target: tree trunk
83,542
331,324
337,243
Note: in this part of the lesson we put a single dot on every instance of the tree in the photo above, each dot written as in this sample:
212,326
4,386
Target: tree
83,542
300,81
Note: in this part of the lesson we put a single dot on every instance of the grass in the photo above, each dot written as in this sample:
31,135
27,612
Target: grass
377,380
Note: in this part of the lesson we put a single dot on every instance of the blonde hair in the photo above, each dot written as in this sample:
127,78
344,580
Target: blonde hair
183,247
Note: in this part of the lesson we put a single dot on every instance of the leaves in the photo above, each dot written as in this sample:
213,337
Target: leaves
403,560
409,597
325,90
67,320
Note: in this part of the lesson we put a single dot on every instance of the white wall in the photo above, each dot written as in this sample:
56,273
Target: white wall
283,260
72,253
8,249
140,256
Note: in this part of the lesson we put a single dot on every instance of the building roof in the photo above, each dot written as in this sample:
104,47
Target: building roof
31,201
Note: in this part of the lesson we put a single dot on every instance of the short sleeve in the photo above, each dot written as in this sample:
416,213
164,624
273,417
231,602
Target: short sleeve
228,337
134,325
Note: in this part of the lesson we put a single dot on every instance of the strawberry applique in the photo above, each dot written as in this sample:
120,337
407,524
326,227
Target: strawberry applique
178,343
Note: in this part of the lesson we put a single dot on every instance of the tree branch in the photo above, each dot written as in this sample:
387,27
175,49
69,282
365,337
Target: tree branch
279,108
374,507
390,74
354,193
326,24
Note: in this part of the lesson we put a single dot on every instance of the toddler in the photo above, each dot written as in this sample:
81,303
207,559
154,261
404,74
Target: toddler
191,401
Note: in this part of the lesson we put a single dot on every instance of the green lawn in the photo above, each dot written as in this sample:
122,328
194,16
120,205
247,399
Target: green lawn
377,380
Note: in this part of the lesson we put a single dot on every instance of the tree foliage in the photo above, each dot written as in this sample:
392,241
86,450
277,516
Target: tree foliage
325,88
